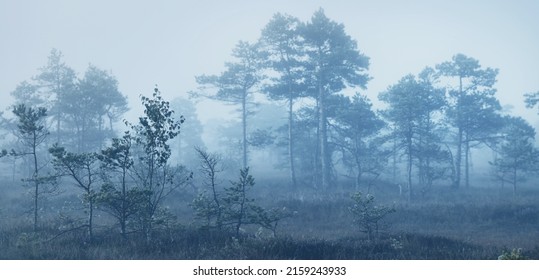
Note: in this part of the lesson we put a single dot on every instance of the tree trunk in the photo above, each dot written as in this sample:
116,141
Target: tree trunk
291,140
358,176
316,160
58,128
123,214
36,182
409,168
458,158
323,140
244,127
515,178
394,155
467,163
90,217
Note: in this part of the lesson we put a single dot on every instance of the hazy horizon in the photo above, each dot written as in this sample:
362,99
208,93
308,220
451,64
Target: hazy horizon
168,43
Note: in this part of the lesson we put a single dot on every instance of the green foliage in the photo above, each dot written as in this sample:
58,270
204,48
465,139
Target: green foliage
155,129
154,176
206,210
515,254
333,63
261,138
358,125
191,136
237,205
531,99
81,111
517,155
367,215
233,208
415,114
270,219
91,110
208,207
115,195
32,132
237,83
285,53
31,125
472,110
83,169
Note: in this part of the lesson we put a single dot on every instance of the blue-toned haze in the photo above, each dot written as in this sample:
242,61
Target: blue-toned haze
169,42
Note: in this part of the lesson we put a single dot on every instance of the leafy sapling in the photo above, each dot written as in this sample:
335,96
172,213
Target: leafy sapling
368,216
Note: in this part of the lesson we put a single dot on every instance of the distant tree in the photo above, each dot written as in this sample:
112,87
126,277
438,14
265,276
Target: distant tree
237,83
516,156
307,154
285,54
83,169
93,108
154,175
358,126
32,132
95,99
405,114
28,93
473,110
413,104
191,135
55,82
433,159
333,62
82,111
3,126
531,99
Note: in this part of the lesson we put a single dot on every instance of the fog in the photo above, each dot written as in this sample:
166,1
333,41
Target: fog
418,136
167,43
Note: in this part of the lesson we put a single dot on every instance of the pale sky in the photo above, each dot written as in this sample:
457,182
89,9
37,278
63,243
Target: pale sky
170,42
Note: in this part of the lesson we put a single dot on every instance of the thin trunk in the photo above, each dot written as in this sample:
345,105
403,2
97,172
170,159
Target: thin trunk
323,140
36,182
421,162
58,128
467,163
394,154
316,162
515,178
409,168
244,127
357,157
147,226
291,140
358,176
90,217
215,198
458,158
242,210
90,205
123,214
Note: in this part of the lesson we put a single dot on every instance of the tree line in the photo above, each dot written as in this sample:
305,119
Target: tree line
432,121
64,129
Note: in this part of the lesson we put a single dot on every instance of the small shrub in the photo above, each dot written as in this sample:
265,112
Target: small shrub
368,216
515,254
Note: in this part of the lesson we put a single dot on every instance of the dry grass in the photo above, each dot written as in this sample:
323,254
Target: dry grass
464,224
